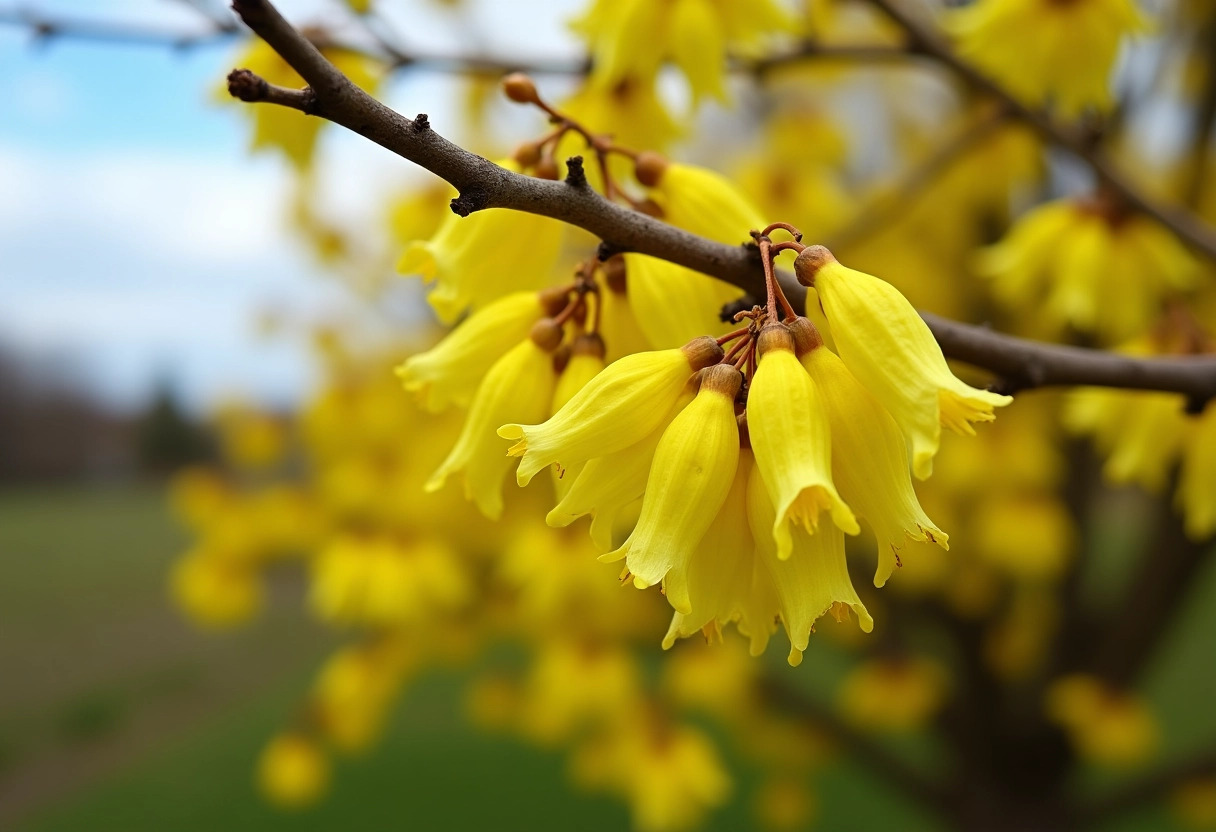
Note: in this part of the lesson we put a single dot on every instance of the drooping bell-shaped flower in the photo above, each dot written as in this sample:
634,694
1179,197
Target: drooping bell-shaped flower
618,408
791,438
519,385
449,372
477,259
870,461
890,350
722,574
608,484
813,581
693,469
586,361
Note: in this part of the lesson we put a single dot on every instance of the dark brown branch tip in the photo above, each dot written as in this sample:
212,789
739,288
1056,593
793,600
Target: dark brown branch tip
472,198
607,251
422,122
245,85
576,177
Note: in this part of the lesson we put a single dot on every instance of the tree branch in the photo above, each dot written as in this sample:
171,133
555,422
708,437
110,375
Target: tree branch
926,40
1021,364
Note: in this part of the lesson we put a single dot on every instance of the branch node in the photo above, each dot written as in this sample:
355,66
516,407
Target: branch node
472,198
246,86
608,250
576,177
421,123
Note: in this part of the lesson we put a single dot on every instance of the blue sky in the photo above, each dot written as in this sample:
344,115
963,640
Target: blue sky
127,198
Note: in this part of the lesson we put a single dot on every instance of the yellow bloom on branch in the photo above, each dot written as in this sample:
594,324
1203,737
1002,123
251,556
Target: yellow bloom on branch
890,350
791,438
870,462
694,466
618,408
1062,51
518,386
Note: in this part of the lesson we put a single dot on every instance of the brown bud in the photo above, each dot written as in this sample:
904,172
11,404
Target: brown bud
806,336
722,378
553,300
546,334
774,337
745,438
614,273
649,168
589,343
561,357
810,261
546,168
520,89
527,154
703,352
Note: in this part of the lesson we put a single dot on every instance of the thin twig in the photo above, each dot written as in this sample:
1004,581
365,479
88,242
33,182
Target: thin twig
1021,364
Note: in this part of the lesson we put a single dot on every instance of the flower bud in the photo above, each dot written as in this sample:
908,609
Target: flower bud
520,88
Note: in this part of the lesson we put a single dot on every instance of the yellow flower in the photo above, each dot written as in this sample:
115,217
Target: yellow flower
449,372
586,361
1049,50
890,350
573,684
630,109
895,694
699,200
216,592
355,687
379,582
669,774
289,131
870,462
1085,264
608,484
672,304
1107,727
634,38
293,772
477,259
791,438
1141,433
618,408
694,466
813,581
1028,536
720,572
1197,485
518,386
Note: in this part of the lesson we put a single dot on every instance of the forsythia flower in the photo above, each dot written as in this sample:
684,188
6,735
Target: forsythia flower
790,437
1080,263
216,591
619,407
519,386
896,694
690,477
477,259
1047,49
293,771
890,350
870,461
450,371
1107,727
633,38
812,581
